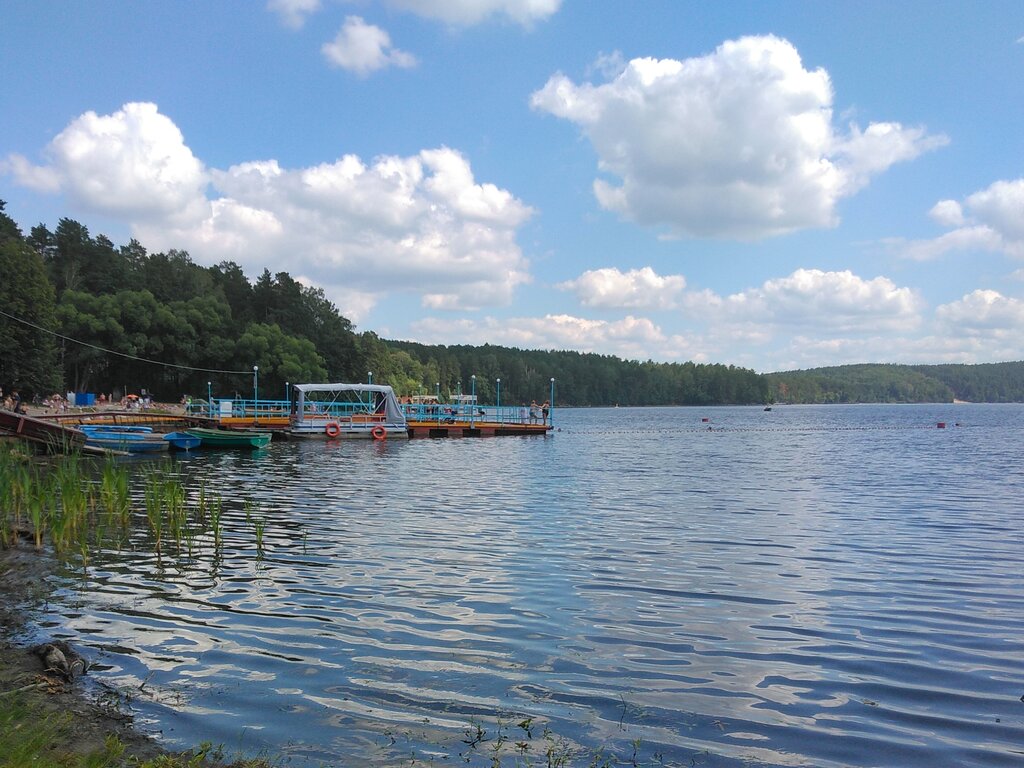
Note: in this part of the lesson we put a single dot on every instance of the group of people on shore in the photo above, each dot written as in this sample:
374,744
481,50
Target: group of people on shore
12,402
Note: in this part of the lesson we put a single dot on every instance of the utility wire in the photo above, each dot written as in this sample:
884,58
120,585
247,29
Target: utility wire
113,352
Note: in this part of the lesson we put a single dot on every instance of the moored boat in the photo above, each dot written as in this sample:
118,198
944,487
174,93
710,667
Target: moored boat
127,439
182,441
229,438
345,411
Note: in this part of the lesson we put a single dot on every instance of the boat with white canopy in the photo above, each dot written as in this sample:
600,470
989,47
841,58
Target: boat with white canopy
342,411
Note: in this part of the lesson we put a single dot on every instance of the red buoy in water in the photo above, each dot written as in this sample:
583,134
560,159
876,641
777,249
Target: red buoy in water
941,425
705,419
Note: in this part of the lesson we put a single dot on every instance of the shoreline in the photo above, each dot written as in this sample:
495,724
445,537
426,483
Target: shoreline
85,723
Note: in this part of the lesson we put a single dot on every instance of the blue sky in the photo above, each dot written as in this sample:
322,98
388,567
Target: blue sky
771,185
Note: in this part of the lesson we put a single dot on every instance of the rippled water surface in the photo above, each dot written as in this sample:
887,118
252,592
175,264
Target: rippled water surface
819,586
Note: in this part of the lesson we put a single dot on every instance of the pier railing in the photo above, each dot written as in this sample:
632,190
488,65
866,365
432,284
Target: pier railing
439,413
446,414
239,408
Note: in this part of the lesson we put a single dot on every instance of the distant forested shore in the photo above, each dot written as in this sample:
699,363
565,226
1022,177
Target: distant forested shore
890,383
78,313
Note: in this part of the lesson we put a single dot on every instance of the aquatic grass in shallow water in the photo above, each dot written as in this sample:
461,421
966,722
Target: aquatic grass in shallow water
114,494
37,494
70,516
155,510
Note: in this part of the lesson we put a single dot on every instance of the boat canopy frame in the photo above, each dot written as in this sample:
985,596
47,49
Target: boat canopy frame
385,405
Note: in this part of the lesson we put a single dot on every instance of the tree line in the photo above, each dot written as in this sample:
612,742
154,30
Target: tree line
78,313
890,383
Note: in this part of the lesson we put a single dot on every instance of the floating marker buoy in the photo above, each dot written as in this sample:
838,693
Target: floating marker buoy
941,425
705,419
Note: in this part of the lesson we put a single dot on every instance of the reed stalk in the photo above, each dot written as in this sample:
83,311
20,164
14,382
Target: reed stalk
215,517
37,514
114,494
153,496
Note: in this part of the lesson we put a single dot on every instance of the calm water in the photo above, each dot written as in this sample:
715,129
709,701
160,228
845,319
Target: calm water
814,586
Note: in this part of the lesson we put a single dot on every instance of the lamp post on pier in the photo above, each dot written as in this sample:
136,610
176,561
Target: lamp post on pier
551,403
498,401
369,377
209,399
472,412
287,400
255,394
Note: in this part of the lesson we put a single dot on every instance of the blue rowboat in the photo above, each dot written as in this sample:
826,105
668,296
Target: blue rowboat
182,441
115,429
128,439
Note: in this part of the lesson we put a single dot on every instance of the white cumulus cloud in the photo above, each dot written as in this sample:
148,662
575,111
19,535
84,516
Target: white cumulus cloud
739,143
469,12
420,224
834,302
293,13
984,312
990,220
132,163
364,48
635,289
629,338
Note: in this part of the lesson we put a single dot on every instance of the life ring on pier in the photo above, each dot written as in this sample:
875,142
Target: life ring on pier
378,433
332,429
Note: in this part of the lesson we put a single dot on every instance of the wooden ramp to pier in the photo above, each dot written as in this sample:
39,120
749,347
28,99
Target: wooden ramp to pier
53,437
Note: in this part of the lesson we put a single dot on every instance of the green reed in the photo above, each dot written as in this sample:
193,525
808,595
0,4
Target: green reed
37,508
202,505
215,510
81,507
15,481
71,515
154,500
173,493
254,516
114,494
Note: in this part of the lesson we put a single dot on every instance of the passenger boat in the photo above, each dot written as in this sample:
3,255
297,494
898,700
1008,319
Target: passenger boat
123,438
345,411
229,438
182,441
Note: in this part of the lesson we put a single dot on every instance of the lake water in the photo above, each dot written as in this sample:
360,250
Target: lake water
814,586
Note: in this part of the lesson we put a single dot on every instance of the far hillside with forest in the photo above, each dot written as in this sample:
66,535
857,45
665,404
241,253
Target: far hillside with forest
876,383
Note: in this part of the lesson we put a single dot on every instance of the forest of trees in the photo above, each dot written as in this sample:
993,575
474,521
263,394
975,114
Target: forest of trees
78,313
876,383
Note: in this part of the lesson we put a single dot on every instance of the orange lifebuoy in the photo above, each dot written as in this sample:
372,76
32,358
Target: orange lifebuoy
332,429
378,433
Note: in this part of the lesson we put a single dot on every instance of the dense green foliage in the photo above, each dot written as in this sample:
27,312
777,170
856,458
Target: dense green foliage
589,379
28,355
136,320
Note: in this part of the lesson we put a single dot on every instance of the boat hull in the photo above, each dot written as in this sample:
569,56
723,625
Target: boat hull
344,431
223,438
182,441
114,443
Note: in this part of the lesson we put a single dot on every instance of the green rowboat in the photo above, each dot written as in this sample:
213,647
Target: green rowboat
228,438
